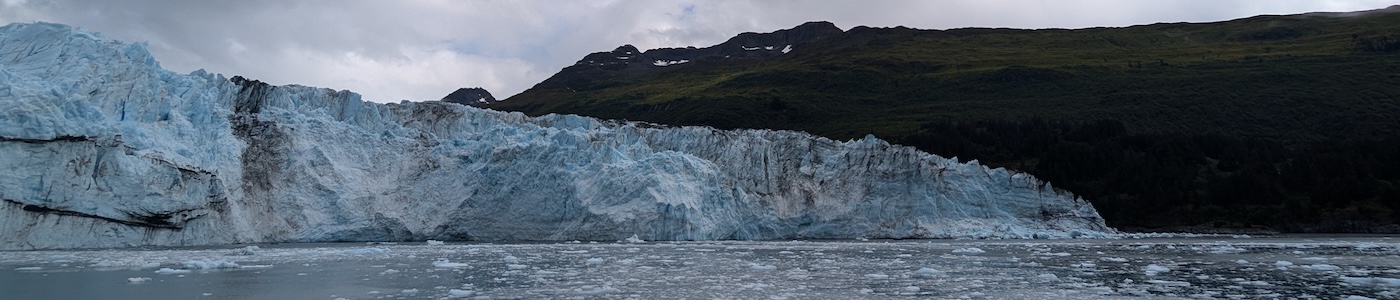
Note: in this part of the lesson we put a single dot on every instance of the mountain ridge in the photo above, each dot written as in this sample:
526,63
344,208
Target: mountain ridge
1288,84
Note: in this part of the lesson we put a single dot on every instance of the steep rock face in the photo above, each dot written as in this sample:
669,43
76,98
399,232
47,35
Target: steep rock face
106,149
748,45
629,62
476,96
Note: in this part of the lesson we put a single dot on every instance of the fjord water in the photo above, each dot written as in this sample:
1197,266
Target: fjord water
1327,267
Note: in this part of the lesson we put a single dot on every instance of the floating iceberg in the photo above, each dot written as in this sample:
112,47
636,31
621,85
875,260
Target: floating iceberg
104,148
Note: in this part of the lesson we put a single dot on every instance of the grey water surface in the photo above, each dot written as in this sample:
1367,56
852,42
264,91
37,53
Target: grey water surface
1316,266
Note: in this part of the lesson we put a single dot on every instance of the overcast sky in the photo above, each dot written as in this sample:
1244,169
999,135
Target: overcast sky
424,49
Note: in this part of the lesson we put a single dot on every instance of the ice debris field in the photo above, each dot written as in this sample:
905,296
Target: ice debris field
1209,268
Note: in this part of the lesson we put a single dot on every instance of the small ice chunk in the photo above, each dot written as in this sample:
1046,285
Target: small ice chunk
969,250
388,271
517,267
210,264
1321,267
444,263
1366,246
1169,282
634,239
1048,276
1153,270
594,261
927,272
138,279
1283,264
1241,261
877,276
589,290
1255,283
29,268
1226,249
168,271
436,242
511,259
762,267
245,251
911,289
456,293
756,286
1115,259
1355,297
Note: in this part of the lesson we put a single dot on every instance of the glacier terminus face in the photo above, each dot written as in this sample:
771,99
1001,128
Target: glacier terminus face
101,147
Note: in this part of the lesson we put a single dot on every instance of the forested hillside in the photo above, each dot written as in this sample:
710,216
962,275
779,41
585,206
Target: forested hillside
1283,122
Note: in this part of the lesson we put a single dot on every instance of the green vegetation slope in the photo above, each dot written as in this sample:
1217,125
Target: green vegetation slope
1287,122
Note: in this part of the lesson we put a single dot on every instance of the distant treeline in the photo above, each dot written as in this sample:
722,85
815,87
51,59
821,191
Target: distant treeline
1165,180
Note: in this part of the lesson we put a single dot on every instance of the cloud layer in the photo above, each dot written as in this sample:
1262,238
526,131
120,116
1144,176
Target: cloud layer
424,49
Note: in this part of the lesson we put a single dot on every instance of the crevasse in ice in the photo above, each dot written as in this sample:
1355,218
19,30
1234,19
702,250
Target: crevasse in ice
101,147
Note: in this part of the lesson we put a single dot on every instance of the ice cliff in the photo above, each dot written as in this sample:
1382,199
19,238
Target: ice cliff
101,147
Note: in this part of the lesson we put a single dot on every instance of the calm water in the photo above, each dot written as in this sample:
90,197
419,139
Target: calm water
1325,267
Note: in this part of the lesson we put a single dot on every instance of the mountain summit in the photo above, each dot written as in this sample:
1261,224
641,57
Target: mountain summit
747,45
475,96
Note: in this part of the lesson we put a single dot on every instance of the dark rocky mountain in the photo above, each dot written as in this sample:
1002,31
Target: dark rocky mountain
746,45
475,96
1288,123
630,62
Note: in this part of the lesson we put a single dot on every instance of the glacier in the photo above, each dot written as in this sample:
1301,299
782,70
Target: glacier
102,147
